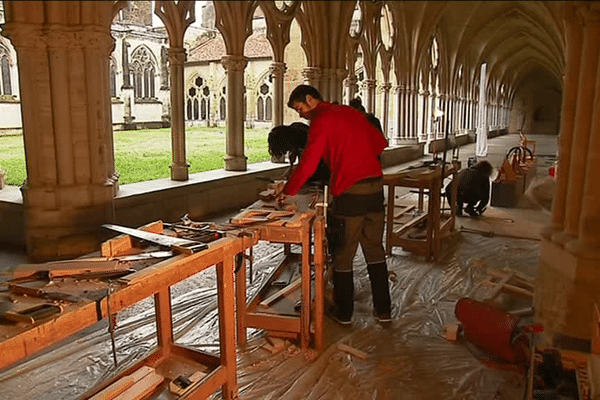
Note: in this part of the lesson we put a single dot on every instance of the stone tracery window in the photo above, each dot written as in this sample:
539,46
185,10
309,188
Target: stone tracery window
6,87
198,100
264,100
142,69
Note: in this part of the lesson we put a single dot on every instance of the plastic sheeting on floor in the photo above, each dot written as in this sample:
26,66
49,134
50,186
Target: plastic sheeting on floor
408,359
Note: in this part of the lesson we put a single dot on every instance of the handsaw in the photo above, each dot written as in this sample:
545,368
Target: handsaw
184,246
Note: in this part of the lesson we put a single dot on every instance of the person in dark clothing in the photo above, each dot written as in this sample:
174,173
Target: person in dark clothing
291,140
356,103
350,146
473,189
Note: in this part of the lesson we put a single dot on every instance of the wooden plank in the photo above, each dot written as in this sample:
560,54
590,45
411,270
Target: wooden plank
288,289
66,267
115,389
399,231
351,350
141,388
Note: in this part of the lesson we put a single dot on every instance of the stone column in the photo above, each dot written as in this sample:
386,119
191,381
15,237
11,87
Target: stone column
312,76
277,70
386,105
587,147
369,101
581,130
567,121
336,87
179,166
568,276
350,86
397,115
235,159
426,114
67,130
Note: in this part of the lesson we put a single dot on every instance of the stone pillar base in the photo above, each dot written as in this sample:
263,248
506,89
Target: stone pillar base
566,289
66,233
236,163
179,172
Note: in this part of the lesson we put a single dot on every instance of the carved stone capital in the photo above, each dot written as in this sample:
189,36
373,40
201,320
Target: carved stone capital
277,69
370,83
398,89
176,55
385,87
311,73
234,63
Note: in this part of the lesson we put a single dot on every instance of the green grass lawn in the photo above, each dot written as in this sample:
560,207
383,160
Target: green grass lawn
145,154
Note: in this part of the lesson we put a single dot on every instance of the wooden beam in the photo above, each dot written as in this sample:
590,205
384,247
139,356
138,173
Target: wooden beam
288,289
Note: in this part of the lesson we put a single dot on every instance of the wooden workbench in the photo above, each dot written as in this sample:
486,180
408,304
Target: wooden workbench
280,318
410,226
169,359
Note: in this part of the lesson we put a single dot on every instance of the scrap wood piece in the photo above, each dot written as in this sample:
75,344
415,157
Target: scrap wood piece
451,331
288,289
65,267
352,351
118,387
142,387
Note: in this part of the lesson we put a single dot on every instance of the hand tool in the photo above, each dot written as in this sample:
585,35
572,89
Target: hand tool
181,245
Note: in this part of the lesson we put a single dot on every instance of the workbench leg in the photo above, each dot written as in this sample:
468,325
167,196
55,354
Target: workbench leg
435,200
306,281
421,196
226,288
391,206
240,299
319,306
164,322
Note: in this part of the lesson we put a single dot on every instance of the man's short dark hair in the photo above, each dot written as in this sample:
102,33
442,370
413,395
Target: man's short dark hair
299,94
356,103
485,167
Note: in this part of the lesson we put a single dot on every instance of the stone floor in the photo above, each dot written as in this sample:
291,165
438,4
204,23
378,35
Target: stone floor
408,359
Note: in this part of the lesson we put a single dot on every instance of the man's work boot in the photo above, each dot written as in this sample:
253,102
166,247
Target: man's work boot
380,289
343,297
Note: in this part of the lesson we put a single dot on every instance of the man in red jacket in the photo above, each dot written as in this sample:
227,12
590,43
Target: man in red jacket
350,146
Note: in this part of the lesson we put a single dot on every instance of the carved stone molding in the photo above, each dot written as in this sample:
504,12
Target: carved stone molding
33,36
277,69
176,55
312,73
385,87
234,63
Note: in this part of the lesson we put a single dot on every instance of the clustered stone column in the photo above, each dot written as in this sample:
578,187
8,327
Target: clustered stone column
569,273
179,165
67,131
385,87
399,115
350,86
277,70
235,160
369,101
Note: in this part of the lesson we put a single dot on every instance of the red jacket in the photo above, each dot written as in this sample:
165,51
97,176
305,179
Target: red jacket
347,142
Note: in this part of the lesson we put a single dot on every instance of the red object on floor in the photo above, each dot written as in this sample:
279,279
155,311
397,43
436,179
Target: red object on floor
552,171
493,331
